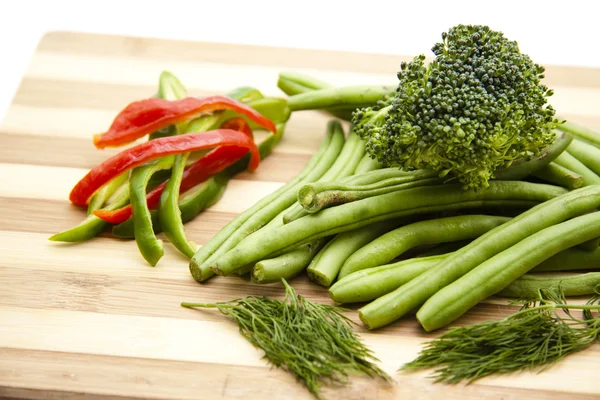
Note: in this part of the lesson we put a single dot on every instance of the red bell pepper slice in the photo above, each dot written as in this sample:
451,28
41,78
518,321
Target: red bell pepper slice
153,149
211,163
146,116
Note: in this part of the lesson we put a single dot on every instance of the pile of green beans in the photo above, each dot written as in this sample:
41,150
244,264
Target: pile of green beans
359,227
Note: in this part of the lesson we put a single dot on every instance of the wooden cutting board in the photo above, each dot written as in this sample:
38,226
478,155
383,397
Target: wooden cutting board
93,320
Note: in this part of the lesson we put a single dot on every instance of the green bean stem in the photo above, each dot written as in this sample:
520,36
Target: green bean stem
385,248
588,154
581,132
313,198
264,210
500,270
354,215
286,265
324,267
521,168
410,296
559,175
528,286
326,192
344,166
355,96
567,160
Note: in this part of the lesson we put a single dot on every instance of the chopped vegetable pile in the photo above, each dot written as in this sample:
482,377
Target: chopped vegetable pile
458,185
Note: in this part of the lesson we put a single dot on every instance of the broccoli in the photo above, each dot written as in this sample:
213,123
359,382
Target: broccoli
476,108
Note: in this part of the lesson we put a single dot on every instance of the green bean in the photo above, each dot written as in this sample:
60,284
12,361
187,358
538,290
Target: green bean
314,197
443,248
293,84
370,180
379,175
571,259
324,267
581,132
359,213
505,267
367,164
588,154
264,210
559,175
149,245
394,243
590,245
355,96
528,286
416,292
303,80
286,265
521,168
567,160
369,284
345,164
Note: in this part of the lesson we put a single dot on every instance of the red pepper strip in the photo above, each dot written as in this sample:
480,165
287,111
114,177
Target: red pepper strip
157,148
211,163
146,116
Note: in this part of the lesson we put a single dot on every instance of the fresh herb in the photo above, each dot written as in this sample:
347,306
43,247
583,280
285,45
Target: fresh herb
533,338
314,342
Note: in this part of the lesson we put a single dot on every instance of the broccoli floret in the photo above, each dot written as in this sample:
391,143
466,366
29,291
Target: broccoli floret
477,107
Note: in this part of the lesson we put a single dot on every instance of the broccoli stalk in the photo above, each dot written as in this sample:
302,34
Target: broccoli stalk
476,108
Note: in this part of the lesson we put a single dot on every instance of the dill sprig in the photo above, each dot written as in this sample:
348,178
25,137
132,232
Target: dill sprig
534,338
314,342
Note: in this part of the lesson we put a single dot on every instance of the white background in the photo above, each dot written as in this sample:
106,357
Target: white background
552,32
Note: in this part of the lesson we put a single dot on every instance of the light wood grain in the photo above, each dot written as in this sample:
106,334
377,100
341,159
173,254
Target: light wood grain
93,320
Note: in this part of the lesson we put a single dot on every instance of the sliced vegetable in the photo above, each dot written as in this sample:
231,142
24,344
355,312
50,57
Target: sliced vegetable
151,150
146,116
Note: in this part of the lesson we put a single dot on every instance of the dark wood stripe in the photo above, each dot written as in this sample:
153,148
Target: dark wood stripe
289,58
88,376
72,94
62,375
50,217
162,49
80,153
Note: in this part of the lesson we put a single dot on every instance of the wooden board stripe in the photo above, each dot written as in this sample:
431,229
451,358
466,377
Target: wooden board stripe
16,148
304,130
290,58
70,374
50,217
55,183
